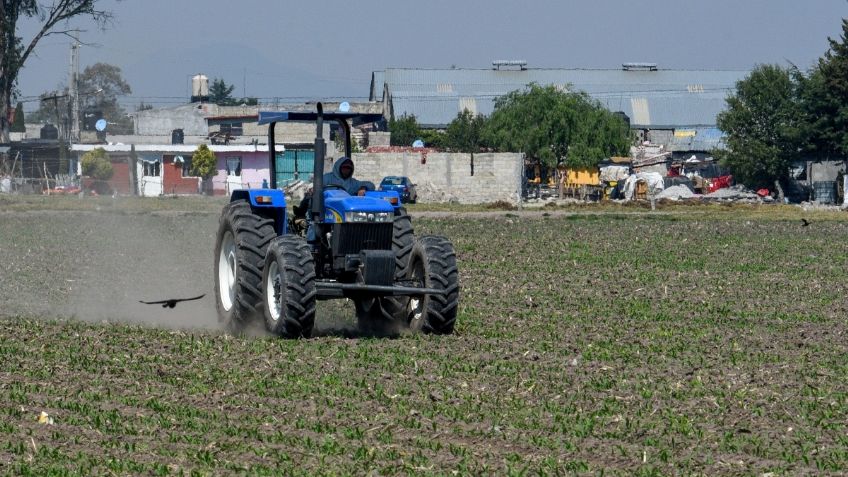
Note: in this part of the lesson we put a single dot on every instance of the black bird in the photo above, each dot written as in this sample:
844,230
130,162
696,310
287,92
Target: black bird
804,223
172,302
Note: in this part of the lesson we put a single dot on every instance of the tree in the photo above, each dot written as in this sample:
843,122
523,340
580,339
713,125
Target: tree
764,128
432,138
551,125
52,108
96,164
465,132
220,93
825,100
14,52
204,164
18,124
405,130
100,85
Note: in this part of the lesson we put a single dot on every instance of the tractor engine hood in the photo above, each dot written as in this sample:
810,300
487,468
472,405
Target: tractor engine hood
339,204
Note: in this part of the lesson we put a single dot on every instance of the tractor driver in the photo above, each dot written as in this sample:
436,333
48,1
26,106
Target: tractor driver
342,177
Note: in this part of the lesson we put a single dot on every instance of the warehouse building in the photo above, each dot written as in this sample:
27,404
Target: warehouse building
676,108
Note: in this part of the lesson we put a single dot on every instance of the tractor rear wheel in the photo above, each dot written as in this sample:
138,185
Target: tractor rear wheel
382,315
433,265
242,240
289,285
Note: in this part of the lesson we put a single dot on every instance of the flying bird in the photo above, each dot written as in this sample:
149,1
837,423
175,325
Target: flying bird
171,302
804,223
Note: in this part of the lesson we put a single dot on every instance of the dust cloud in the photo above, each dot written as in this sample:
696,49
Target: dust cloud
150,258
97,265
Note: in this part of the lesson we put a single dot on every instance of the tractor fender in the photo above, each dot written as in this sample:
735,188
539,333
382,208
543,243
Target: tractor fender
268,203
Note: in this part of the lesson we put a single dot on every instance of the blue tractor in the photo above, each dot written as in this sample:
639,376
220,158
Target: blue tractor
362,248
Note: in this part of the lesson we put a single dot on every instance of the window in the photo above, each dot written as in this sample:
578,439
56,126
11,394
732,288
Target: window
234,166
233,129
187,166
150,168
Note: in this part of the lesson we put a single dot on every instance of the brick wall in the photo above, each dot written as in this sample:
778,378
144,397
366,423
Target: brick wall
120,181
173,180
446,177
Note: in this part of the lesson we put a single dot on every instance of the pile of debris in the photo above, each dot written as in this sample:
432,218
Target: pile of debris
677,192
734,193
294,191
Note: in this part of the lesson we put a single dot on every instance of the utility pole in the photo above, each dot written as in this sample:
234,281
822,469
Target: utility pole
73,92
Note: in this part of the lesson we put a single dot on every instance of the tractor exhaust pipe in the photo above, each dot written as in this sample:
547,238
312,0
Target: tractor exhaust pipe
272,164
318,171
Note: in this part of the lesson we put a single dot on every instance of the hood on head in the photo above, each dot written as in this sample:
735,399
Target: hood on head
337,166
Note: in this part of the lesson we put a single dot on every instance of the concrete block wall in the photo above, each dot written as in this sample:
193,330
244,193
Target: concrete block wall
446,177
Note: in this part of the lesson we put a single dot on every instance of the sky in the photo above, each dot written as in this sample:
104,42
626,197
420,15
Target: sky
300,51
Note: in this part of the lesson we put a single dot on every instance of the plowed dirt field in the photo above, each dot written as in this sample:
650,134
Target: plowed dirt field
619,342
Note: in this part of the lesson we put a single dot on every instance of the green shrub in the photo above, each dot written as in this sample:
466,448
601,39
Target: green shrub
96,164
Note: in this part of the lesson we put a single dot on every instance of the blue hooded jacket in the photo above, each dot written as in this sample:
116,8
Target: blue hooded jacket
350,185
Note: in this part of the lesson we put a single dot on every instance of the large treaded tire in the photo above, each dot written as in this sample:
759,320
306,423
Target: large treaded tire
433,264
403,238
289,285
240,247
383,315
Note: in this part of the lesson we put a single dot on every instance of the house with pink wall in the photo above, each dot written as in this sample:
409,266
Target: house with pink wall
166,168
240,169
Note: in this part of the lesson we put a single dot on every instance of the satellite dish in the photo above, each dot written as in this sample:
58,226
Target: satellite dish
418,143
100,125
179,159
344,107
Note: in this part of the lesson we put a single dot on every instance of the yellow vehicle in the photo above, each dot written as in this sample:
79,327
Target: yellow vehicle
581,183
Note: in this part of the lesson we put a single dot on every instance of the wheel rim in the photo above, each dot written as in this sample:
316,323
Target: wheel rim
416,303
227,271
273,291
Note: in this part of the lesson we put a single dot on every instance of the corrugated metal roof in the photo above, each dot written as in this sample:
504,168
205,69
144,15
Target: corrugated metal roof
377,82
696,139
672,98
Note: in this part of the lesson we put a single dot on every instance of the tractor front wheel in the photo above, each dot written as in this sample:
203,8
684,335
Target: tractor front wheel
242,240
289,285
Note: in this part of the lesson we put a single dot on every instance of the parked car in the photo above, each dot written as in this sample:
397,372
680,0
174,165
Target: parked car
402,185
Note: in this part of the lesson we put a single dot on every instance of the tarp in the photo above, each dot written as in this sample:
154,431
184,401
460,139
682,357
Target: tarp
653,179
614,173
845,190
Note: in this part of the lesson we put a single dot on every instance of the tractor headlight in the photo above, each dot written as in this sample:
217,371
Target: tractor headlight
382,217
367,217
356,217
